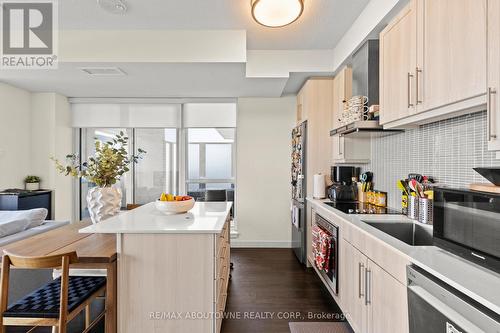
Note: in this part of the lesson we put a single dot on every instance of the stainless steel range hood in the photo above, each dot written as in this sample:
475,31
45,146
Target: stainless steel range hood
363,127
365,82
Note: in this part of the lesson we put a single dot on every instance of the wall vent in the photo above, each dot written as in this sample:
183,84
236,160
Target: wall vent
103,71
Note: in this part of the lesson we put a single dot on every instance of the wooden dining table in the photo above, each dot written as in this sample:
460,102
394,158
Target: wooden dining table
95,251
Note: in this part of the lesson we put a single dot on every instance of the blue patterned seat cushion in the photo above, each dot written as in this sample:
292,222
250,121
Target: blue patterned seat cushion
44,302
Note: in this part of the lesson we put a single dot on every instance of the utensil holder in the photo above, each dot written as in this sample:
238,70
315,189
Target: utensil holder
362,197
425,210
413,208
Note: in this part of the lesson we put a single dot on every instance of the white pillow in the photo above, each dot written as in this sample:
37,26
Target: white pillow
35,217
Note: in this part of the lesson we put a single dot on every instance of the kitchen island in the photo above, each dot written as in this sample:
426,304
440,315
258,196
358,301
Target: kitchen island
173,270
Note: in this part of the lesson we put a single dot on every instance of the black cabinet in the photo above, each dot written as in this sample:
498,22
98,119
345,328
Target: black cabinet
17,199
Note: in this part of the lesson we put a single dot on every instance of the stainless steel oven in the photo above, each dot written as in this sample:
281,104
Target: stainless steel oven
467,223
435,307
331,277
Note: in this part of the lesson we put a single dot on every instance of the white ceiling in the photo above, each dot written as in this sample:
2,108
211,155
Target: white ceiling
321,26
148,80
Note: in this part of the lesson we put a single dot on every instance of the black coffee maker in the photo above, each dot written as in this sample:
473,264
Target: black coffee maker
343,188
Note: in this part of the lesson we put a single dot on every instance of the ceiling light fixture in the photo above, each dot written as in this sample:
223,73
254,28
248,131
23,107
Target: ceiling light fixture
276,13
113,6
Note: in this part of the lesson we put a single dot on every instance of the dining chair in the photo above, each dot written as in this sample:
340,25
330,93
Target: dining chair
54,304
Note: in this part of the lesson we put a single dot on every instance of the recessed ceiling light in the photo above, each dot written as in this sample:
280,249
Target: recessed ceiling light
276,13
103,71
113,6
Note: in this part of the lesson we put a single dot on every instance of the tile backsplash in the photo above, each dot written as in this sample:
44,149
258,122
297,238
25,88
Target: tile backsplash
446,150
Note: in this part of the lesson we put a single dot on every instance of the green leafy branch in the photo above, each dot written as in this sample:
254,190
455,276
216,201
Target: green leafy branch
108,164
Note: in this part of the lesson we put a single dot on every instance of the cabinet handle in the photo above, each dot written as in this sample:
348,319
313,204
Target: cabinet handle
360,276
408,83
368,291
489,113
417,84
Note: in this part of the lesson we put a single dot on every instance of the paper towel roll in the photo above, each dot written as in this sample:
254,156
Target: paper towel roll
319,186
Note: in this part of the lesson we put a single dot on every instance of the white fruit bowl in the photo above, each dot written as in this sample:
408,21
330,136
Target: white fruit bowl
174,207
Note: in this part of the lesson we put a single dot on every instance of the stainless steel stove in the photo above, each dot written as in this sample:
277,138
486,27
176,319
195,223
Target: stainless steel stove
355,207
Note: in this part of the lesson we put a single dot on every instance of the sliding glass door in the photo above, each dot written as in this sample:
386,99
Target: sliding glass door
158,171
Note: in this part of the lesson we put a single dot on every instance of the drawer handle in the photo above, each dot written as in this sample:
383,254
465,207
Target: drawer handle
360,288
489,113
408,83
368,291
418,71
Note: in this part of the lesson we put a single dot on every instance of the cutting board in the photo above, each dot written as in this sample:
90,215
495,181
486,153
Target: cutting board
484,187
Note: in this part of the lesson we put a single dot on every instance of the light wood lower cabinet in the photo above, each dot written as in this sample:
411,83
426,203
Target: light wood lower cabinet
372,300
353,264
164,274
386,301
223,267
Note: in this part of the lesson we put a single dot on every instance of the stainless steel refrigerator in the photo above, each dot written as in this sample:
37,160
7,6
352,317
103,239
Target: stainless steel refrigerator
299,186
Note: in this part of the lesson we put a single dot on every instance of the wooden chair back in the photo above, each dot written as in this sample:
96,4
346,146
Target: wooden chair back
53,261
60,260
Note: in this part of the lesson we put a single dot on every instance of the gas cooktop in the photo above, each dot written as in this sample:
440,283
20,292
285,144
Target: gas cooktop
355,207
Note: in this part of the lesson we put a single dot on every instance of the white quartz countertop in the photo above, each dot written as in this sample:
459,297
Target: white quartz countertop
477,282
205,217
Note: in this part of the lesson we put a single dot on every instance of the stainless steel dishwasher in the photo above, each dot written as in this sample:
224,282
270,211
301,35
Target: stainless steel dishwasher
435,307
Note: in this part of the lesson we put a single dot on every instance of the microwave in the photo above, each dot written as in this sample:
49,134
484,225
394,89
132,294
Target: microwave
467,223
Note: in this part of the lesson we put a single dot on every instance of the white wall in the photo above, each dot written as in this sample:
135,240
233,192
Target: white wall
15,136
52,136
263,171
34,127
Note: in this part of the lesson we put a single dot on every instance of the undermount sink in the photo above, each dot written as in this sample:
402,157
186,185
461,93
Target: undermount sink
410,233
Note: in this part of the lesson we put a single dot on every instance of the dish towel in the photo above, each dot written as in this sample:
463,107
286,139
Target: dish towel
321,244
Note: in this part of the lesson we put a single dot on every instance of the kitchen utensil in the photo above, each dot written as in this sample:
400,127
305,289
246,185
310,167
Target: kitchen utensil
413,208
402,187
492,174
418,177
366,176
425,208
417,188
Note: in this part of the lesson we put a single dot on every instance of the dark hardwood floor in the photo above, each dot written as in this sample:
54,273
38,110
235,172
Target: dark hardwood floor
267,287
271,282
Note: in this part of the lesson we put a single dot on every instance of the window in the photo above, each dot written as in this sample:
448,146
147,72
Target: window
210,161
157,172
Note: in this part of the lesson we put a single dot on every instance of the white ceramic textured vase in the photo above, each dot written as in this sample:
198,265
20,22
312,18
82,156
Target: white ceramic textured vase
103,202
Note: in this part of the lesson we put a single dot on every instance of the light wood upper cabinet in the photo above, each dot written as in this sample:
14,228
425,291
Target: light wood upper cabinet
398,42
451,52
316,107
433,62
342,91
493,74
346,149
